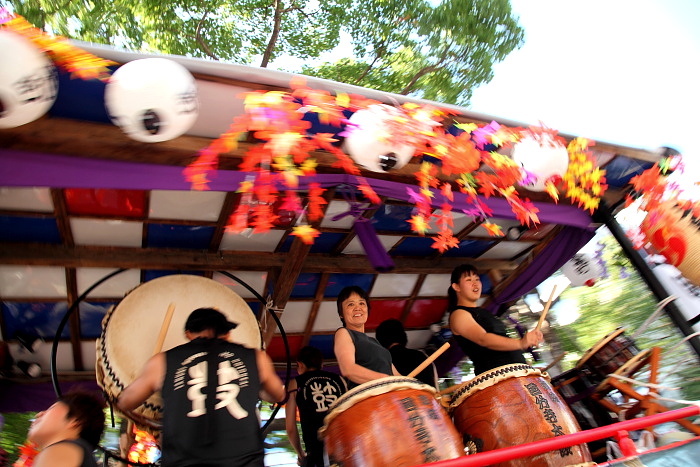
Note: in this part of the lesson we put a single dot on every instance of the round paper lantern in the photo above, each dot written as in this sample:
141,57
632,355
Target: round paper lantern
581,270
28,81
152,99
675,235
543,157
367,144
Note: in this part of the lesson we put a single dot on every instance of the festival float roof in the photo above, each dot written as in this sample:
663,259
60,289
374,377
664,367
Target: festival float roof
79,200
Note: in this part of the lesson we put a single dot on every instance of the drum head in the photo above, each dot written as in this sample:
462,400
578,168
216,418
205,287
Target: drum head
599,345
131,329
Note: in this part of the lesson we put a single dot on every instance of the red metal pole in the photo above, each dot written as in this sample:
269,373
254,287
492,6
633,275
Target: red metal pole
558,442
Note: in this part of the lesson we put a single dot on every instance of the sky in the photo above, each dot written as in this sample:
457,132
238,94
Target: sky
618,71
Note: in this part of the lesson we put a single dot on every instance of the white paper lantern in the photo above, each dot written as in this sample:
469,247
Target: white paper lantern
582,270
152,99
366,142
28,81
543,157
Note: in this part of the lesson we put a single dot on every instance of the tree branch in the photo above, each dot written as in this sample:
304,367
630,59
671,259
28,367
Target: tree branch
424,71
275,34
381,50
200,41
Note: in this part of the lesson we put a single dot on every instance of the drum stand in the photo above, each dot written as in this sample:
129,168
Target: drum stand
645,404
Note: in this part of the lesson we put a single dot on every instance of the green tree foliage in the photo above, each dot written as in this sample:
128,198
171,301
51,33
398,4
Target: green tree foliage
440,51
222,30
434,50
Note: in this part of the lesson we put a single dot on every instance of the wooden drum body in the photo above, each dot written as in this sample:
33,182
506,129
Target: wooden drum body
130,331
511,405
608,355
392,421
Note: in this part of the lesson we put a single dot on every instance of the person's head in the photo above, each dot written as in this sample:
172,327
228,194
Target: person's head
353,305
74,415
464,284
391,332
208,322
311,358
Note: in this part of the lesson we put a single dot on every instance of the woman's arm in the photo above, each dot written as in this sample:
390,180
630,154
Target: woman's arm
269,381
149,381
344,350
290,421
463,324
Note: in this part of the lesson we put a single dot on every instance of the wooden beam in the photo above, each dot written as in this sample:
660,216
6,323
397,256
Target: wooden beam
74,320
199,260
294,261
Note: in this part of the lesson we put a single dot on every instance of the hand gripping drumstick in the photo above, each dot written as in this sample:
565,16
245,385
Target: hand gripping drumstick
429,360
164,328
546,308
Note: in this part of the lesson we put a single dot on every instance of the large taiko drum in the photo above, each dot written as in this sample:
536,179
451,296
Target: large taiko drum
511,405
130,331
608,355
392,421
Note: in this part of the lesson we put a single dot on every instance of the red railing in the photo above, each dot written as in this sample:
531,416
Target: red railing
558,442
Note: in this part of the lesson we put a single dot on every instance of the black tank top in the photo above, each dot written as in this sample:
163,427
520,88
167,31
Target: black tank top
370,354
192,434
317,390
88,457
485,359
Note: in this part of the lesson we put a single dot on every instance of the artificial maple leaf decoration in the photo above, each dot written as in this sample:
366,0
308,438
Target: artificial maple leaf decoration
493,229
306,233
419,224
444,241
284,154
316,201
65,55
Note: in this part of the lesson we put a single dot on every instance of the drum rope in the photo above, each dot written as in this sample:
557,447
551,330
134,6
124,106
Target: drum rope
671,351
678,401
652,317
642,383
498,374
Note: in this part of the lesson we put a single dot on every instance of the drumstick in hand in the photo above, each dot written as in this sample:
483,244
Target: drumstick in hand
429,360
546,308
164,328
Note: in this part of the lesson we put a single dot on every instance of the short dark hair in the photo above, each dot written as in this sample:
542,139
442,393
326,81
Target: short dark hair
457,274
311,357
345,293
391,331
208,318
88,410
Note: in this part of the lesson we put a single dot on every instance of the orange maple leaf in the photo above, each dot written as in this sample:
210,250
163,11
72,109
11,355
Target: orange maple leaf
444,241
493,229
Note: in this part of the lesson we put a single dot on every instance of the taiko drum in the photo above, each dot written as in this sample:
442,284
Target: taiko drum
130,331
511,405
393,421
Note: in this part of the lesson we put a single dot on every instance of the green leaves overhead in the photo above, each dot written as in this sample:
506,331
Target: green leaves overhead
435,50
440,52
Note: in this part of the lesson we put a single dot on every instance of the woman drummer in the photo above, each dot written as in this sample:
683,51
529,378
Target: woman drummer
361,358
480,335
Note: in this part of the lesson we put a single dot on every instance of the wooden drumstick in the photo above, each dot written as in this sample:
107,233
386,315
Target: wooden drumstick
555,361
164,328
429,360
546,308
